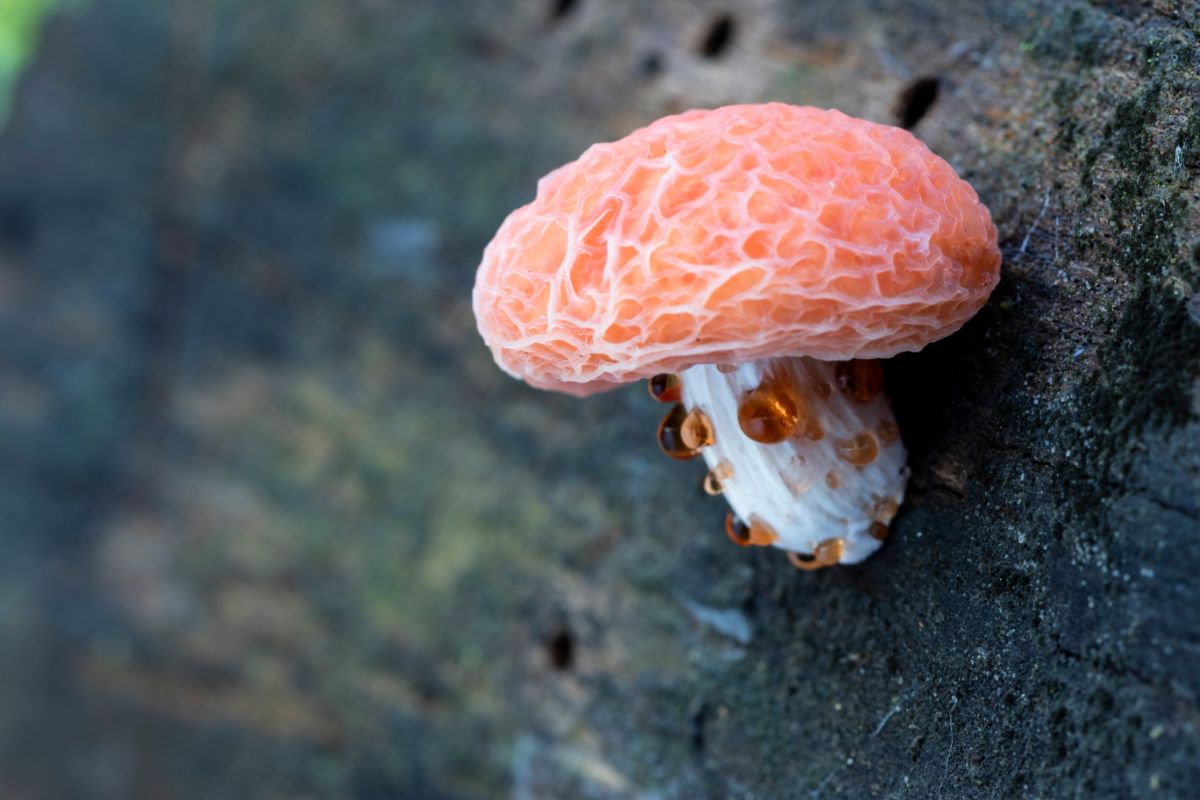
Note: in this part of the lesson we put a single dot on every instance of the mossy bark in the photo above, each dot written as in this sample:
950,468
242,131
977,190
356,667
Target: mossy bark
274,525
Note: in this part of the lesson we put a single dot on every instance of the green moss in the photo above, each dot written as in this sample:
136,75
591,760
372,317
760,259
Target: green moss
1064,97
1128,132
1143,376
1171,58
1152,52
1142,381
1146,367
20,21
1146,201
1187,144
1071,35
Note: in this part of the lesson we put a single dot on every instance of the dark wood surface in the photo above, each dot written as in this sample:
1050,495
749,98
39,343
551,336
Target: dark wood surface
273,525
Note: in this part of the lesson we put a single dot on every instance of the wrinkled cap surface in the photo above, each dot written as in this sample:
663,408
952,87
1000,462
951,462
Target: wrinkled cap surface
729,235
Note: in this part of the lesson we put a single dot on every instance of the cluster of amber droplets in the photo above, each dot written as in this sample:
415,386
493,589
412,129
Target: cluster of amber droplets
883,513
862,381
681,433
670,434
772,412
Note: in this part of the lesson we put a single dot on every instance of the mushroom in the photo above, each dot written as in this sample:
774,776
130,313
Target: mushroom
752,261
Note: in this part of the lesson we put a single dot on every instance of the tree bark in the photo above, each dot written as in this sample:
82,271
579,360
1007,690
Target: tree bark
275,525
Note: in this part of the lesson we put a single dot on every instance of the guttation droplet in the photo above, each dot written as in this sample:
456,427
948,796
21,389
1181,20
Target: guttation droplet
803,561
859,451
829,552
665,387
696,430
714,481
889,432
832,480
825,554
861,379
772,412
670,438
878,530
757,533
885,510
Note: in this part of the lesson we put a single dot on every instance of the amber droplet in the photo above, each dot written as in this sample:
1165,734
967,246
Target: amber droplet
825,554
737,531
859,451
804,561
696,430
665,387
878,530
714,481
771,413
795,485
725,369
860,379
885,510
823,389
832,480
761,534
889,432
829,552
814,431
670,438
756,534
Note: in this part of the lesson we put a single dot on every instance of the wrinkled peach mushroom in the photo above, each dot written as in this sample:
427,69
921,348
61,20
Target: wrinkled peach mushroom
752,261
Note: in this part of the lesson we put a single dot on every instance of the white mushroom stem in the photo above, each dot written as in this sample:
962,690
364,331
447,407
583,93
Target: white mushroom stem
801,487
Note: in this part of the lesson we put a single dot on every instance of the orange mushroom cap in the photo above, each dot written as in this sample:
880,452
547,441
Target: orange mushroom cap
734,234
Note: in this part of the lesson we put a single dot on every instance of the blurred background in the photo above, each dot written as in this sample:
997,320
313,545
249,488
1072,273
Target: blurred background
272,524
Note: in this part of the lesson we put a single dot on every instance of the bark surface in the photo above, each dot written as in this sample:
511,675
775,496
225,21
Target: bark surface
274,525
